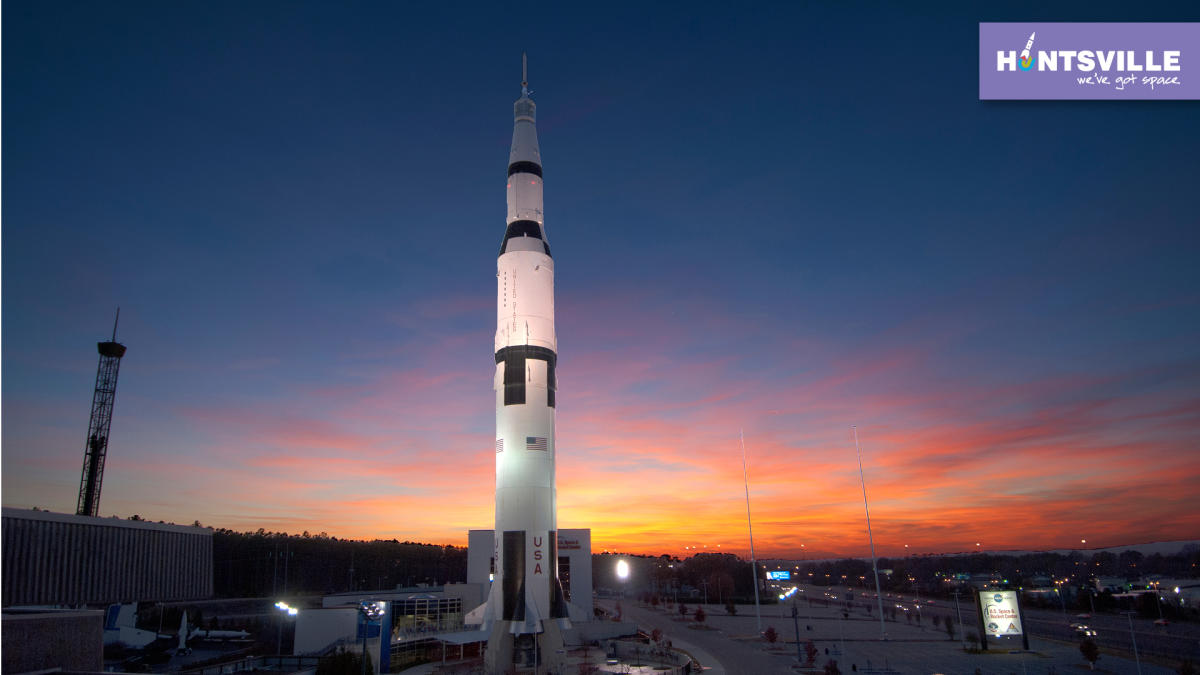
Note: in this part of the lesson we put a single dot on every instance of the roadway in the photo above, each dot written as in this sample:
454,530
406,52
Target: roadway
1174,641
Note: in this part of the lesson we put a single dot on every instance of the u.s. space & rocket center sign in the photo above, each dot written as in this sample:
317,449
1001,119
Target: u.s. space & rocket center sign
1001,615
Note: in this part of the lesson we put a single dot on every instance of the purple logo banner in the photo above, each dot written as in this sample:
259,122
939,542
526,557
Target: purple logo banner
1092,61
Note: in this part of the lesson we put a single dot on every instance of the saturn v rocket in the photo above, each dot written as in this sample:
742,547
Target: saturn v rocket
526,610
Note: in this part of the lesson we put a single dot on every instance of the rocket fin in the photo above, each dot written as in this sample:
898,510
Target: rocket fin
532,622
478,616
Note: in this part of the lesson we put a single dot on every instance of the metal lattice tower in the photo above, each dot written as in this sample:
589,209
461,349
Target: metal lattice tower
102,408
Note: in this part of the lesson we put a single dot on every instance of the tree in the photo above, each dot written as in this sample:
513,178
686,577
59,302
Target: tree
770,635
1090,652
700,615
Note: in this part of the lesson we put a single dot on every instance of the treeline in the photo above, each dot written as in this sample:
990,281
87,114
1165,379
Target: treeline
276,564
1024,570
722,577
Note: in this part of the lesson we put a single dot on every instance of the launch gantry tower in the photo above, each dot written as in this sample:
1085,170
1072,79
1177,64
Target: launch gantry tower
97,438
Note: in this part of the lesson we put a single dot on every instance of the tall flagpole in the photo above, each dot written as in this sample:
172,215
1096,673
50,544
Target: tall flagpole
870,537
749,524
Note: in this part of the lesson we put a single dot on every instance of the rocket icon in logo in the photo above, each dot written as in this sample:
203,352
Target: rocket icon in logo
1026,62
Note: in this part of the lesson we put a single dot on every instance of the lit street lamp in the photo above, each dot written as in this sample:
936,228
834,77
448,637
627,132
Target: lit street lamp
795,620
286,610
371,612
623,574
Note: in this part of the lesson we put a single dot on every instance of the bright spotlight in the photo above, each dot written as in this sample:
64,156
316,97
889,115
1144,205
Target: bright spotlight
622,569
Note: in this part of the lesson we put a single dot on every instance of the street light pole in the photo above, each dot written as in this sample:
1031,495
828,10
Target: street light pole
750,526
870,538
1137,659
366,625
962,637
796,622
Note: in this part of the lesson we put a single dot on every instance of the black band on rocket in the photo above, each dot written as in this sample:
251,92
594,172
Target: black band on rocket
523,228
525,167
514,371
513,577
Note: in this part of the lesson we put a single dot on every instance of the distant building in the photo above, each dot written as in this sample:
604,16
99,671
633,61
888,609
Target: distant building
414,620
1111,584
55,559
58,560
574,567
446,619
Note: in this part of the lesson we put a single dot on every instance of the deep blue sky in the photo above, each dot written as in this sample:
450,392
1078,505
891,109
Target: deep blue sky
298,205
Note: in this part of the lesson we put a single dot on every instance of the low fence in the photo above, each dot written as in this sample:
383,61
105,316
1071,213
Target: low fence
290,664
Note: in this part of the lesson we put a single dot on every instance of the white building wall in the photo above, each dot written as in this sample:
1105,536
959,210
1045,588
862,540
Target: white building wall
316,629
480,550
575,545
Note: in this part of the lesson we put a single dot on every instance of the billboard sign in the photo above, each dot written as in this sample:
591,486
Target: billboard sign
1001,615
782,575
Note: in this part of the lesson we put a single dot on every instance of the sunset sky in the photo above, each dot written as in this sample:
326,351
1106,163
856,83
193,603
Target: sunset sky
788,220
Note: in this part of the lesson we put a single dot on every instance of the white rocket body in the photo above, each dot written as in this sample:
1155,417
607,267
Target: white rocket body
526,610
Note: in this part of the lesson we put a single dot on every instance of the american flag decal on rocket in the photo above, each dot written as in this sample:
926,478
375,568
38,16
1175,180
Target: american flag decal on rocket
535,443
